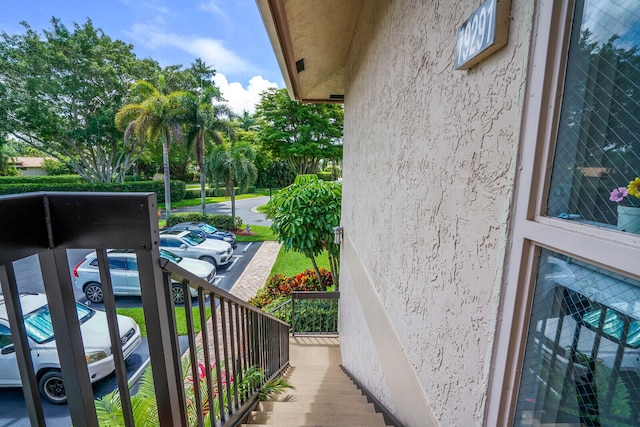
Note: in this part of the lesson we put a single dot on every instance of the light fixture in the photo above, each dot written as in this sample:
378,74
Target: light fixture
338,234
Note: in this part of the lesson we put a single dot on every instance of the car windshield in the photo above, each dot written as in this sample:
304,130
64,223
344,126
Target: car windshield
208,228
170,256
38,322
613,326
193,239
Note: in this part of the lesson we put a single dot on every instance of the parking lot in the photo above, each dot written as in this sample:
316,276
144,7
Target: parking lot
12,407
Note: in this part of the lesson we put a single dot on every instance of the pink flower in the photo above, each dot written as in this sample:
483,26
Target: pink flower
618,194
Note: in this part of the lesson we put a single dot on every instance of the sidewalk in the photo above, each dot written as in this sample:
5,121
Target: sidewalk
256,273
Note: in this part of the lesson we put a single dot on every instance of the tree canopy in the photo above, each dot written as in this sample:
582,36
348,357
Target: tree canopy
302,134
60,90
304,215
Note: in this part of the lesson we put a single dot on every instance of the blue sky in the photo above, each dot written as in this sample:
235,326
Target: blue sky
227,34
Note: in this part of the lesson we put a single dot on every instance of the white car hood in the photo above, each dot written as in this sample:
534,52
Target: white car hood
214,245
95,335
201,269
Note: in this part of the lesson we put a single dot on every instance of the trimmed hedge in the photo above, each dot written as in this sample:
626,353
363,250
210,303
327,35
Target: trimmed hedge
224,222
43,179
178,188
194,193
325,176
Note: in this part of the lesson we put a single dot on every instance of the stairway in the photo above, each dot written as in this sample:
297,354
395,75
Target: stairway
323,395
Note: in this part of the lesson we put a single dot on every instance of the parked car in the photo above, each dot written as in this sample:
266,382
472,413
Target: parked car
37,322
207,231
188,244
123,267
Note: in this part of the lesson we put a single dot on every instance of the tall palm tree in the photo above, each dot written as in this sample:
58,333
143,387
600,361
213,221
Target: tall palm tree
157,116
207,118
234,165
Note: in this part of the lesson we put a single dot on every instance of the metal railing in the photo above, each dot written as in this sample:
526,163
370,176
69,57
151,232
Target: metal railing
310,313
235,337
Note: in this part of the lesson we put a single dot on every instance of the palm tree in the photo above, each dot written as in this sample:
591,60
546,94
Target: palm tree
234,165
156,116
207,119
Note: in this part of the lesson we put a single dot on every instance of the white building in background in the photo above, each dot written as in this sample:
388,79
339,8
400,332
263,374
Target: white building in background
471,230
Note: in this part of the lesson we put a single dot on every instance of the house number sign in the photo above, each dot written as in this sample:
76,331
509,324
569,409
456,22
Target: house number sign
483,33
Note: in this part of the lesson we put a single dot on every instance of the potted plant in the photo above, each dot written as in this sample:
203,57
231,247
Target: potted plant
628,199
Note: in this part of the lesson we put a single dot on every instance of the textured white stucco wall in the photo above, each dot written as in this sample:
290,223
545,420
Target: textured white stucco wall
429,167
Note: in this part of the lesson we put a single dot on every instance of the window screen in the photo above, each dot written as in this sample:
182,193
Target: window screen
582,359
598,143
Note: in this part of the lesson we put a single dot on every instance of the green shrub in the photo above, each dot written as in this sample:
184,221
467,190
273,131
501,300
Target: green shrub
45,179
279,285
224,222
178,188
325,176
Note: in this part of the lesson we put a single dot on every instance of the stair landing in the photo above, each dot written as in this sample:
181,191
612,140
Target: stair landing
323,395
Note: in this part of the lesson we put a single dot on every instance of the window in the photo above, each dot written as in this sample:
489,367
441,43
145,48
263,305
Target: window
117,263
598,143
5,336
573,282
170,243
582,363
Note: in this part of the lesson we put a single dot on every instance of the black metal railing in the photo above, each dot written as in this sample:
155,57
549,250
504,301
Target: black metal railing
235,338
310,313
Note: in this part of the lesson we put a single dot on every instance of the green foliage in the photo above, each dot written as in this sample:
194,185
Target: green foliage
325,176
224,222
59,93
280,285
44,179
177,187
304,215
145,409
302,134
56,167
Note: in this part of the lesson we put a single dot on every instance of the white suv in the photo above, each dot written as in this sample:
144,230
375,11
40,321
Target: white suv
188,244
37,321
125,280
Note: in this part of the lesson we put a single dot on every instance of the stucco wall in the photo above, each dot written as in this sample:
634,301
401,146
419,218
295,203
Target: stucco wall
429,161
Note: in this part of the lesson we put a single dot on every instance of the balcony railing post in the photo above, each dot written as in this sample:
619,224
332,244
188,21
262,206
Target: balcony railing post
21,345
165,358
64,318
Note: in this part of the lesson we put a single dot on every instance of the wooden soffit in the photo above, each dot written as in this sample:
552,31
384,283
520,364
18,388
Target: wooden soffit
311,39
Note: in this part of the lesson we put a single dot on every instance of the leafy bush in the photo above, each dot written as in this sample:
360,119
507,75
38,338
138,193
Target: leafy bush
178,188
224,222
325,176
279,285
41,179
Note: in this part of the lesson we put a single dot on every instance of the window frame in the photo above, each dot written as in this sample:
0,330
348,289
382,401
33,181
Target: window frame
530,230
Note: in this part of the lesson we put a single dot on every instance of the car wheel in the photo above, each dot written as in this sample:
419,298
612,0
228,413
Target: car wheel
209,259
52,388
178,293
93,292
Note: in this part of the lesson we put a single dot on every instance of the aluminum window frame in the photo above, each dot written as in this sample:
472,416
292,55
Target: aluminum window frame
530,230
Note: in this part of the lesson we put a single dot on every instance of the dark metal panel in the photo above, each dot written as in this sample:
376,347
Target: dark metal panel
114,335
62,307
21,345
165,356
23,229
103,220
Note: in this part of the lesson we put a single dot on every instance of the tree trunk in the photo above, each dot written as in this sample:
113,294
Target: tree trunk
165,165
317,270
203,190
233,205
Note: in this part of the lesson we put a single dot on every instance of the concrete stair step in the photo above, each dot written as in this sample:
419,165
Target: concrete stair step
319,398
327,419
356,407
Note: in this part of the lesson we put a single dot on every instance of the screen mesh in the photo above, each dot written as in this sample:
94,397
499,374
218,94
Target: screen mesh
598,143
582,360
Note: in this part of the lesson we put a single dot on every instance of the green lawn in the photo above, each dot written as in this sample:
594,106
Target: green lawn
262,233
138,315
291,263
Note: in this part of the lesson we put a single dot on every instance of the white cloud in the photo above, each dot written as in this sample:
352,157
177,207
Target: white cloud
211,6
241,99
211,51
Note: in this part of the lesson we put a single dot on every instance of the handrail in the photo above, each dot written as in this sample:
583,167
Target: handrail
236,337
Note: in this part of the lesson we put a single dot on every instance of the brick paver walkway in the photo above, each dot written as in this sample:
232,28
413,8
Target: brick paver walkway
256,273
